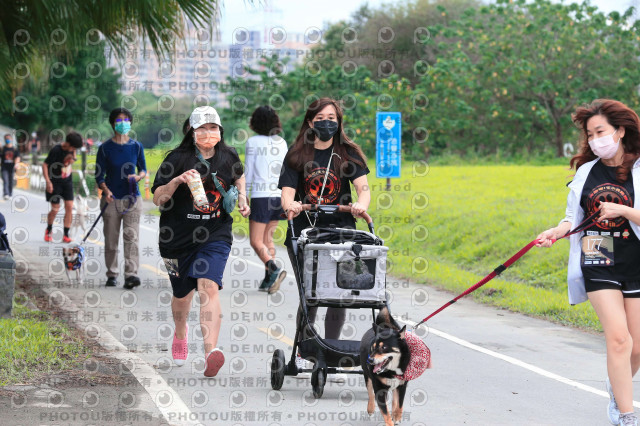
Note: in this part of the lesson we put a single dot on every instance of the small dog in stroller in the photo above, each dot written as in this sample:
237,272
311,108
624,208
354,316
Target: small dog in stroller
390,357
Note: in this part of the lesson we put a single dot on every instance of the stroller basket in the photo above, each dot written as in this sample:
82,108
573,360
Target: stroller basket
344,272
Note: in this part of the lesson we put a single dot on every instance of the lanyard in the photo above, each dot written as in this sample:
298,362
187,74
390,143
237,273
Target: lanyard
324,183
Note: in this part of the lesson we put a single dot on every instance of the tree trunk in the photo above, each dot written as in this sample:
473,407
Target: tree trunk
558,139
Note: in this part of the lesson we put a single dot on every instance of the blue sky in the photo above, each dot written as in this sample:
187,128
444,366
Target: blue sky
299,15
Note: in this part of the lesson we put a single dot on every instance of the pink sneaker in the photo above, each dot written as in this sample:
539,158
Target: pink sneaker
215,361
179,349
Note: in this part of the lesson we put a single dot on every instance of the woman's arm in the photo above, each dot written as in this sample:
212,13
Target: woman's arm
287,200
163,193
614,210
364,196
243,204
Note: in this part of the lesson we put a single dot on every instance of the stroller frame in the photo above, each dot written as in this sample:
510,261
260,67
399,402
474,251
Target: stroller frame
328,355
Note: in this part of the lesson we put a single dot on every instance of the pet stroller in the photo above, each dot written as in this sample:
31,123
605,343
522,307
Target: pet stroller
335,267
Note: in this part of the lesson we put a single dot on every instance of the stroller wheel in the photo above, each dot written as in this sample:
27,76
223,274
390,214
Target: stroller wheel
318,379
278,365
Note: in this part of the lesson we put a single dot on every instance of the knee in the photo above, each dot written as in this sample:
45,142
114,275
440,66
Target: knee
621,343
207,290
256,243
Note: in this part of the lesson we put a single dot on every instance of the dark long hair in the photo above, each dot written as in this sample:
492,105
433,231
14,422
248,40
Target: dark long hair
302,150
617,115
186,159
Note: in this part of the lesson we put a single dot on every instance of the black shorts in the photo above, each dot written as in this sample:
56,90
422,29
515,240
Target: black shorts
265,210
61,191
629,288
208,261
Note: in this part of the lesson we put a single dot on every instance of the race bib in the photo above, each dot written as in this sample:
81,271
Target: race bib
597,250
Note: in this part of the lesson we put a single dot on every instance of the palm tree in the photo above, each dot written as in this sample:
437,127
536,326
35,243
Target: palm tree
31,31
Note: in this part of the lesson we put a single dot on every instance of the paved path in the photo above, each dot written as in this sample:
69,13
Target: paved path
490,366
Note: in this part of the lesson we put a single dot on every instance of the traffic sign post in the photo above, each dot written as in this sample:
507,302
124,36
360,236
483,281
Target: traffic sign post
388,145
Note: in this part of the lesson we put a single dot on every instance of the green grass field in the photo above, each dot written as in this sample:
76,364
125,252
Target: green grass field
449,226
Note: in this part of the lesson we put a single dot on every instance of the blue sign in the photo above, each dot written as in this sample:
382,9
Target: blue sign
388,144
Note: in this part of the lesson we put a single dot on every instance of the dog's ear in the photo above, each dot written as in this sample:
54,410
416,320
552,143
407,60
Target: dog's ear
402,332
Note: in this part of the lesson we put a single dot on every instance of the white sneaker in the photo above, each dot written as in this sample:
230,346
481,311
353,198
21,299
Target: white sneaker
612,409
628,419
303,363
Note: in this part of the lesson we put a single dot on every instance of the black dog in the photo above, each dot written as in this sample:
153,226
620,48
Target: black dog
384,357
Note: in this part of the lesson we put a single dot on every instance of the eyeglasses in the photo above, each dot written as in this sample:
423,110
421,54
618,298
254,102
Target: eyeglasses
120,120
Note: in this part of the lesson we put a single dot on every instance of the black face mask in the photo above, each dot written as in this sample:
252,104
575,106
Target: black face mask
325,129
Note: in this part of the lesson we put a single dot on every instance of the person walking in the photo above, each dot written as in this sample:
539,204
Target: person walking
195,232
264,155
120,164
9,157
603,261
318,169
56,170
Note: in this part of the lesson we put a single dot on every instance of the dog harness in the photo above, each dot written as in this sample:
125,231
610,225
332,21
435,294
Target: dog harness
419,357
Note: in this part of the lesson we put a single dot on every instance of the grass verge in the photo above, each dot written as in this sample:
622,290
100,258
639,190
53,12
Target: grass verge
34,344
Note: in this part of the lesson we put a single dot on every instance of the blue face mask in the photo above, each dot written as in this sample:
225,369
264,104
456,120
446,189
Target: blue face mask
123,127
7,141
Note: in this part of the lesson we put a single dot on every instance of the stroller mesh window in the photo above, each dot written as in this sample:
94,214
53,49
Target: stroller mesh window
356,274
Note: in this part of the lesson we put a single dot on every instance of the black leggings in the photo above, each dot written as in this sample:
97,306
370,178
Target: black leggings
334,318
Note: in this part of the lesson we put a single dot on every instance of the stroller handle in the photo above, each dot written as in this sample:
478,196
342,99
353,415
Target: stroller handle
329,209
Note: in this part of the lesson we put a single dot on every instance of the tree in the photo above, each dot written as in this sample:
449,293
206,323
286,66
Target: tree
68,94
33,31
509,74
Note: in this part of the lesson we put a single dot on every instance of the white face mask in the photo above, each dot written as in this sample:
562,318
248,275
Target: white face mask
605,147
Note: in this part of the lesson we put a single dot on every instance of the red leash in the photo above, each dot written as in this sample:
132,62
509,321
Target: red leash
587,223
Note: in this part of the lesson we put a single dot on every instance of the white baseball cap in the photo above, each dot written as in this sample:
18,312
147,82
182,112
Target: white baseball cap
203,115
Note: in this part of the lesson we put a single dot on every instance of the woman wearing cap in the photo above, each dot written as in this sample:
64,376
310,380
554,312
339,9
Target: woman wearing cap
264,155
195,237
319,168
116,175
603,261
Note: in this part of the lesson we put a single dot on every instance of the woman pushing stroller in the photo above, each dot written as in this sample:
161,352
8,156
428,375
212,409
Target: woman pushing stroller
317,170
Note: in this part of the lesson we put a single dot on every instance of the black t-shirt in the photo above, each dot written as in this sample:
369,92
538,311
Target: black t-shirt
601,186
308,186
9,155
59,163
183,225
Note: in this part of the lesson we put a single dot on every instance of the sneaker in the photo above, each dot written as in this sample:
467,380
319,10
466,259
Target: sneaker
628,419
6,197
264,285
180,349
612,409
275,278
131,282
66,239
47,236
302,363
111,282
215,361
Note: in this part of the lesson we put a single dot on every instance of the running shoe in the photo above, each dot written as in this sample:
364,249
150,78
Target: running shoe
47,236
66,239
215,361
612,409
180,349
275,279
628,419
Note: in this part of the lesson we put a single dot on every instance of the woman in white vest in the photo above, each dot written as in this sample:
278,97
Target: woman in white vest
603,260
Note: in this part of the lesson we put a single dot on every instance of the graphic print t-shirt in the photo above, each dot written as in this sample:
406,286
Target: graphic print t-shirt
601,186
183,225
8,157
308,186
59,162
